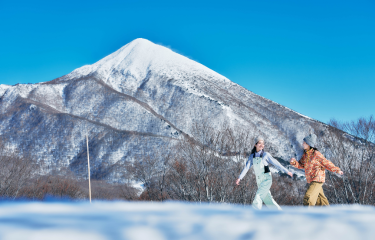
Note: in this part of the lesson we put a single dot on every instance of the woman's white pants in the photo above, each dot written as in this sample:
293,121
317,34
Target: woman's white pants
263,194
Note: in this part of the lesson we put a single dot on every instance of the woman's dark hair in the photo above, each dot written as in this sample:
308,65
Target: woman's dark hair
315,149
254,150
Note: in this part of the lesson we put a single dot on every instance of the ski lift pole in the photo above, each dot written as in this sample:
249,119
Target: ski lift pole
88,165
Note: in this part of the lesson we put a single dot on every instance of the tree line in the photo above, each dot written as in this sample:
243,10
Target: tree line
203,168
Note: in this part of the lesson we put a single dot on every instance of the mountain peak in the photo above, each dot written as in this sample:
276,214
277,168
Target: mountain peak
139,45
138,58
141,41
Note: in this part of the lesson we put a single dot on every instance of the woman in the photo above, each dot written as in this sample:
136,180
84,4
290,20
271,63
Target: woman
315,165
261,160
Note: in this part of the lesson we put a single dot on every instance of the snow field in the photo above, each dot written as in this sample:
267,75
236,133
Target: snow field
175,220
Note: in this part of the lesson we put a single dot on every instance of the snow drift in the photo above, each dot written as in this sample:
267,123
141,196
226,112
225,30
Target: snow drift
135,220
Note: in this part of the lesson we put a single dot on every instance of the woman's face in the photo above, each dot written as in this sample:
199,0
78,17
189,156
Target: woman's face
305,146
259,146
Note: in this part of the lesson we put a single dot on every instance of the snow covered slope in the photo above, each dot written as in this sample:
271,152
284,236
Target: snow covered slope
133,221
137,99
3,88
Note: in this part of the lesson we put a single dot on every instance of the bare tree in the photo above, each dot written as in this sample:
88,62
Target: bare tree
206,164
15,171
150,167
350,145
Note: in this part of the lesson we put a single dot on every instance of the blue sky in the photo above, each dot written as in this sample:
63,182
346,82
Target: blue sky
315,57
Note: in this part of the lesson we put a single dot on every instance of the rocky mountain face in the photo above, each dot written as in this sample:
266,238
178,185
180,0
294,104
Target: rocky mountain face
137,99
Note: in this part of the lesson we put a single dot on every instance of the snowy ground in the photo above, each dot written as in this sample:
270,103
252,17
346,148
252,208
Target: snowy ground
130,220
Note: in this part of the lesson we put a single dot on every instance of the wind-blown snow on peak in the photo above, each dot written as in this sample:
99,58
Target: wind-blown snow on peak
136,60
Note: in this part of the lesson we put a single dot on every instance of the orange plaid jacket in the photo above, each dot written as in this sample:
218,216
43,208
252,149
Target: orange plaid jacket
315,165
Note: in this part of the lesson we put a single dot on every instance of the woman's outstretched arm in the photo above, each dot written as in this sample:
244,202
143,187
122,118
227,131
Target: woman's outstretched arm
328,164
297,164
248,165
277,164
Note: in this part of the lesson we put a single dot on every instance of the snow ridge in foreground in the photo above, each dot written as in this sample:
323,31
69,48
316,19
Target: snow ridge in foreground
135,220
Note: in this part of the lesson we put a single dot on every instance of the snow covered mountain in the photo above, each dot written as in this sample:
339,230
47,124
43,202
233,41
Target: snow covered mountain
137,98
